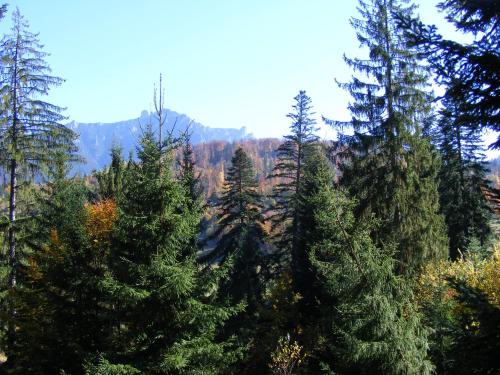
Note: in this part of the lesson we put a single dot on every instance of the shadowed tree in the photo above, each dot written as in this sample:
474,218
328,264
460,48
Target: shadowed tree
289,169
388,165
31,133
469,71
462,176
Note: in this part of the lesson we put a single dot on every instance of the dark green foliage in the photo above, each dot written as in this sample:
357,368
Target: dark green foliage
240,247
164,321
469,71
368,322
240,228
31,133
187,174
476,341
387,163
110,181
462,175
101,366
58,300
318,176
290,170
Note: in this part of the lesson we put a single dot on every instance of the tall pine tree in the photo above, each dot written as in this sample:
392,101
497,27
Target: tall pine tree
363,320
289,170
31,133
469,71
462,176
165,322
241,232
389,166
61,319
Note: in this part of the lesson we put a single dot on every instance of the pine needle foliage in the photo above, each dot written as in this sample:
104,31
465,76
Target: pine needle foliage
461,179
368,323
31,133
468,70
289,169
165,320
240,248
110,180
388,165
60,320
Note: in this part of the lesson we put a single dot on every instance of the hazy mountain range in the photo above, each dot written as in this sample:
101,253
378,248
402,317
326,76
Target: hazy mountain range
96,139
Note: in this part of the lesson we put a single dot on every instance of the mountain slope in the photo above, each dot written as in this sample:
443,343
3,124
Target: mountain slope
96,139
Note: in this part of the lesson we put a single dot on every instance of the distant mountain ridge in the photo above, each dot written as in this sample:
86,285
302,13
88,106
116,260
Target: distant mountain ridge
96,139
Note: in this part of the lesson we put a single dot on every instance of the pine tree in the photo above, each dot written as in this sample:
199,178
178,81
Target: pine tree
187,173
60,317
462,175
110,180
241,232
31,132
289,169
318,176
468,71
165,322
367,323
388,164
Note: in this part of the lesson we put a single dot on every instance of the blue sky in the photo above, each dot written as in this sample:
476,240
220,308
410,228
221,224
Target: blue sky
225,63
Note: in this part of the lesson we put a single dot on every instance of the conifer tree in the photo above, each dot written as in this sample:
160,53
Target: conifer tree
289,169
165,322
462,175
110,180
60,318
240,228
240,252
469,71
187,173
388,164
366,320
31,132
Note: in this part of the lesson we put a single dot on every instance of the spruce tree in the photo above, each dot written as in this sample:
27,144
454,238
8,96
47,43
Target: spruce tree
289,170
469,71
31,132
388,165
60,318
187,173
462,175
366,322
110,180
241,234
165,322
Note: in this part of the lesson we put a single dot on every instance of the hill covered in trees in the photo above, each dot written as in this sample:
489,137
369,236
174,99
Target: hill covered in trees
376,255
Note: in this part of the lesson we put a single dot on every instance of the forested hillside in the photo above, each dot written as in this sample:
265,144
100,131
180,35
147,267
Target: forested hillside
375,254
95,140
213,159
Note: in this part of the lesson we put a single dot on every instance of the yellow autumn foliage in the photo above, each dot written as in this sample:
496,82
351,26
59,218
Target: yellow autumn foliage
483,274
287,357
101,217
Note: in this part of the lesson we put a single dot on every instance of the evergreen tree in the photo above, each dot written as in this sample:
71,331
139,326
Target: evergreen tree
60,317
241,232
187,174
388,164
476,337
164,320
462,175
469,71
367,321
289,170
110,181
31,132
